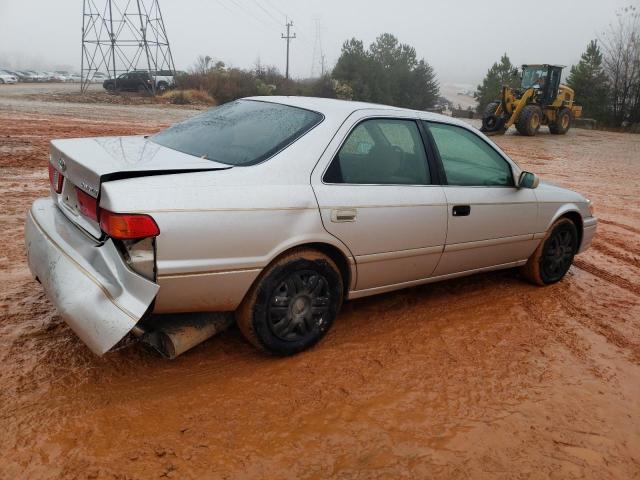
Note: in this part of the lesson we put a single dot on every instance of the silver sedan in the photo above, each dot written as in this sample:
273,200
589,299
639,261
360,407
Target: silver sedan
279,209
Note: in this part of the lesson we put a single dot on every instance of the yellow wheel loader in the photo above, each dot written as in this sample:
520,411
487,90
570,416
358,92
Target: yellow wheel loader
540,100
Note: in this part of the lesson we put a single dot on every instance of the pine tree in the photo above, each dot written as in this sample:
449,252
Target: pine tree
590,83
500,74
388,72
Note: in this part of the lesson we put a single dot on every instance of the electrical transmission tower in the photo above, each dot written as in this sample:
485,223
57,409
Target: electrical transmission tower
123,35
318,58
288,37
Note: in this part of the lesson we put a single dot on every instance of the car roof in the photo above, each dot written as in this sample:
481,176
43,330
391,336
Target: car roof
343,108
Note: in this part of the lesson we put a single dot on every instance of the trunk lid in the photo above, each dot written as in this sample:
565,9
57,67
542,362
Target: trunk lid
88,162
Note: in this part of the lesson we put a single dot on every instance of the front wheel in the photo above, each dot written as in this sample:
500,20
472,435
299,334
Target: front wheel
554,256
529,121
293,303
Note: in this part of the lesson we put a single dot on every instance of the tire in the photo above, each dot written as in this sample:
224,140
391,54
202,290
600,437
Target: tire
278,315
110,87
529,121
142,89
554,256
490,121
563,122
162,87
490,109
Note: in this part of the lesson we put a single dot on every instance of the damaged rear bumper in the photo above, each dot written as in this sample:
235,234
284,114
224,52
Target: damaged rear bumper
94,291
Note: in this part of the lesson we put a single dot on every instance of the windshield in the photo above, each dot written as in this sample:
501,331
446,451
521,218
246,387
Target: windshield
244,132
532,76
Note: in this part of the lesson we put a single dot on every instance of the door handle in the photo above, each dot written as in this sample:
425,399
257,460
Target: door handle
339,215
461,210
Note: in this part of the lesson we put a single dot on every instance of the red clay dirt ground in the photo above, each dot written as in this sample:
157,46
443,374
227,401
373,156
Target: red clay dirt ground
482,377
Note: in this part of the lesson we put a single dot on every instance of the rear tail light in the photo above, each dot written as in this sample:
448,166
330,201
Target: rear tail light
87,205
128,226
55,178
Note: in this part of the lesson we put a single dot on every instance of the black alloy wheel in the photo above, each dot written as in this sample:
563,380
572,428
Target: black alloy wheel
293,302
558,253
299,305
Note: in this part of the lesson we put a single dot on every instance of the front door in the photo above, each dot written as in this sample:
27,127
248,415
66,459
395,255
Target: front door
377,197
490,221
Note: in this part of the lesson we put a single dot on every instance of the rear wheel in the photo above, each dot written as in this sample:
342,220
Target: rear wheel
554,256
293,303
562,123
529,121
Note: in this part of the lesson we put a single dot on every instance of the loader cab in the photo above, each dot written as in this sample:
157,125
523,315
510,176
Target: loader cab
545,79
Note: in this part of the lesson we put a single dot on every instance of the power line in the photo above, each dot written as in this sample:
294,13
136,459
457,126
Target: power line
267,12
246,11
275,7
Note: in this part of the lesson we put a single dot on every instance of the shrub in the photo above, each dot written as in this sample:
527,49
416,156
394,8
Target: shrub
189,97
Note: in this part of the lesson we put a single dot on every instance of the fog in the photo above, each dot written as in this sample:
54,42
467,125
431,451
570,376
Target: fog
460,39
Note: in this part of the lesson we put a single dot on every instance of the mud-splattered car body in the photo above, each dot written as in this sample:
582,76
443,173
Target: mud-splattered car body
135,227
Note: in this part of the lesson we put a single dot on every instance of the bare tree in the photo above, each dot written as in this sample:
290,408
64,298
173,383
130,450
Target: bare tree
621,45
202,65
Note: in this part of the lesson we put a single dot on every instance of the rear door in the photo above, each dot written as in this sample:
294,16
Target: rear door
490,221
376,194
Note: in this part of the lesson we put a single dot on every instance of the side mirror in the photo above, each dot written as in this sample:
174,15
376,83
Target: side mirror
528,180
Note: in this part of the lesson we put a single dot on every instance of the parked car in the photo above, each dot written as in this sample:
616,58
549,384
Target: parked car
38,76
63,75
25,76
130,81
7,77
74,77
165,79
99,77
282,208
55,77
140,81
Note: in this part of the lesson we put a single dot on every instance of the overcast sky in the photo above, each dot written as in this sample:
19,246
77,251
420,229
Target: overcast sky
459,38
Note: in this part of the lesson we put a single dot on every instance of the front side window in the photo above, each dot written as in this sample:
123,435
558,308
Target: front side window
534,76
241,133
467,159
381,151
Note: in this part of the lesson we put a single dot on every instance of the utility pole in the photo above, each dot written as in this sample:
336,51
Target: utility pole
288,38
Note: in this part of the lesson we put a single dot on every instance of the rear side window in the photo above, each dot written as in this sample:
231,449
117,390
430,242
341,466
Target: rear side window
244,132
467,159
381,151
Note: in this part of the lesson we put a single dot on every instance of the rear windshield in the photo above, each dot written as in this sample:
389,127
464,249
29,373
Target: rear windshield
244,132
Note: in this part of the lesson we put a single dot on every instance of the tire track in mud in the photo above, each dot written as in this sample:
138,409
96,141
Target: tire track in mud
626,258
605,327
620,225
616,280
